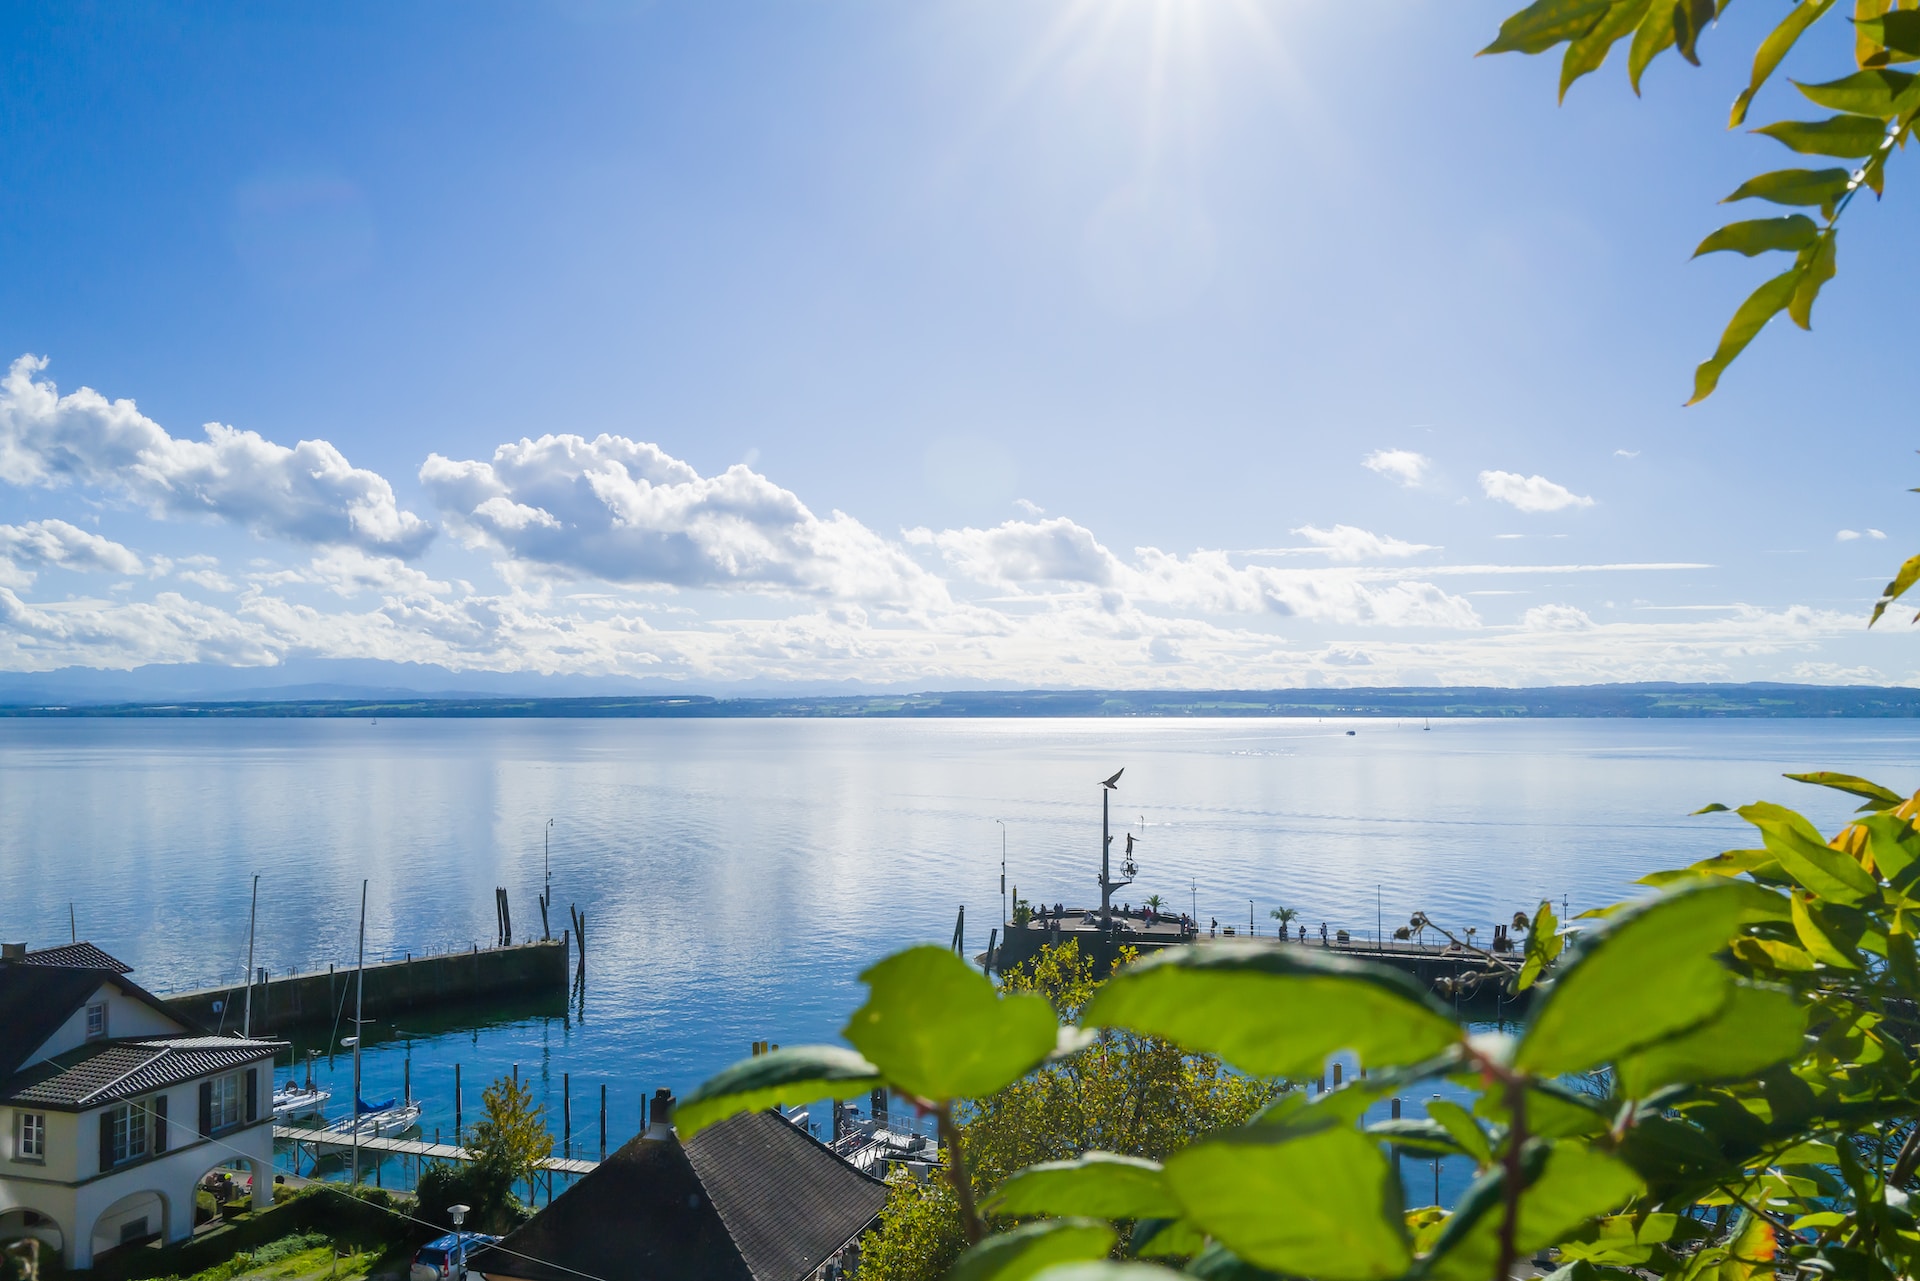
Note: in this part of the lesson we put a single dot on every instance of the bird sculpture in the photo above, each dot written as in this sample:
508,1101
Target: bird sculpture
1113,784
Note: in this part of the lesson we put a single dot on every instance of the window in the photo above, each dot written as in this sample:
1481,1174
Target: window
30,1137
224,1104
129,1133
96,1021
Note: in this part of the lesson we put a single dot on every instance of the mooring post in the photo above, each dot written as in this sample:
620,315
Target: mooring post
406,1081
566,1116
603,1120
457,1137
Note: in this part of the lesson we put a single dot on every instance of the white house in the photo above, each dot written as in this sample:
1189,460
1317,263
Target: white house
112,1107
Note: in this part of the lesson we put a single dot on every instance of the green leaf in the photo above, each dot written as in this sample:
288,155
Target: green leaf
1553,1112
1622,1240
1807,858
1321,1203
1757,1028
1031,1248
1465,1130
1585,54
1643,976
1817,268
1819,187
1761,306
1654,36
1543,946
1852,785
1161,1238
1108,1270
934,1027
1690,19
1099,1185
792,1074
1773,49
1217,1263
1864,93
1848,137
1815,939
1893,843
1908,575
1275,1013
1898,31
1545,23
1417,1134
1566,1184
1715,807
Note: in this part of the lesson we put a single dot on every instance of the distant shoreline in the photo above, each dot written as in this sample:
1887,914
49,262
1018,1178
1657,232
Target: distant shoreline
1636,701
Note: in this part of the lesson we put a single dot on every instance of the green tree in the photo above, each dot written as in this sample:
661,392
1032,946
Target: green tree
508,1144
1137,1095
1286,916
1154,901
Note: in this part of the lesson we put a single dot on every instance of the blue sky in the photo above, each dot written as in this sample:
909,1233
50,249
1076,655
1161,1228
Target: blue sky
1137,342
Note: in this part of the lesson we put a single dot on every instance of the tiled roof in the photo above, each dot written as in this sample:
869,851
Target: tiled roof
34,1002
751,1198
76,956
116,1070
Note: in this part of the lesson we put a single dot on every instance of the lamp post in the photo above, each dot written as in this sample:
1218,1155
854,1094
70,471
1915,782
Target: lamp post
1107,884
1003,874
546,860
1249,918
458,1213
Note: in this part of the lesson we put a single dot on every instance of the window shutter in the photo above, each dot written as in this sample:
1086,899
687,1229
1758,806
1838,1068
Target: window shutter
206,1108
253,1095
159,1124
106,1141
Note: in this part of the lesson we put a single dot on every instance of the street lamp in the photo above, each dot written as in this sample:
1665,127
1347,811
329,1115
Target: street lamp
458,1213
1249,918
546,860
1003,874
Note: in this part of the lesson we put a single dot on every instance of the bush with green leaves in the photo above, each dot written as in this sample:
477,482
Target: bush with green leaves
1749,1025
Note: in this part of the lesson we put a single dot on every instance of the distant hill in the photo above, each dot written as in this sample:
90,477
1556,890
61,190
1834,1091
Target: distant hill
1655,699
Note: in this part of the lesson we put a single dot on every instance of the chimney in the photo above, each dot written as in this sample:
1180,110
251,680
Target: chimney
660,1116
12,951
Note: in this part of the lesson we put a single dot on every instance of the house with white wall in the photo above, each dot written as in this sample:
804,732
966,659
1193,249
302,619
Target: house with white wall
113,1107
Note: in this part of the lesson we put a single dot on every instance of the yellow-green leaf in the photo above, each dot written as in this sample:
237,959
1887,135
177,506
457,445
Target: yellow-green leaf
1032,1248
794,1074
1757,1028
1762,305
1812,937
1807,858
1757,236
1845,136
1819,187
1690,19
1585,54
1898,32
1816,270
1908,575
1864,93
1773,49
1545,23
935,1028
1654,35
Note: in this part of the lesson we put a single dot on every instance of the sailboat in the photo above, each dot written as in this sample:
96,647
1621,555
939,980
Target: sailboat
291,1098
369,1121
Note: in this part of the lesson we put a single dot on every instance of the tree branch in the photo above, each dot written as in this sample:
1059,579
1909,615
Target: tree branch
957,1174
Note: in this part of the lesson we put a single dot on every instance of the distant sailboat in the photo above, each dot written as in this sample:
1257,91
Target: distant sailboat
1427,726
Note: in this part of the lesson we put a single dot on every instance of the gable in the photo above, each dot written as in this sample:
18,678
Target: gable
46,1006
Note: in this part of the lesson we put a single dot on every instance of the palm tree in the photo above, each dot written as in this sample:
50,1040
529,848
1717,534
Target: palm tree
1286,916
1154,901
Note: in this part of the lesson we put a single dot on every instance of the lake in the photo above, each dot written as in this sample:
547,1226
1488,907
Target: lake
737,874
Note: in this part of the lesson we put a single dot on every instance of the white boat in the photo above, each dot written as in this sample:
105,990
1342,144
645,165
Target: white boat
384,1122
291,1099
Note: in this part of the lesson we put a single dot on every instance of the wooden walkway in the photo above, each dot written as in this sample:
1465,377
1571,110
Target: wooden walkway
326,1143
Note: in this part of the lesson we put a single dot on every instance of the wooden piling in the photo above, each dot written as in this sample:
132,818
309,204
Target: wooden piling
603,1120
566,1114
456,1105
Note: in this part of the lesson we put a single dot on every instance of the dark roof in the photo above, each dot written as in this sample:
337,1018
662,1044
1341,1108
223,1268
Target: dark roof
751,1198
34,1002
110,1071
37,996
76,956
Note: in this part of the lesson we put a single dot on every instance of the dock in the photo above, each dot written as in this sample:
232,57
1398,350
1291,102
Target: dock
515,971
1452,972
312,1145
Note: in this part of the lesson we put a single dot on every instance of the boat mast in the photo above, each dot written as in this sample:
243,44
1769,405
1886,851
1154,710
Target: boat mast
253,913
359,991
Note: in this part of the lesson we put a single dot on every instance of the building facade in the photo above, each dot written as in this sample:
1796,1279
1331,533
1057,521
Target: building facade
113,1108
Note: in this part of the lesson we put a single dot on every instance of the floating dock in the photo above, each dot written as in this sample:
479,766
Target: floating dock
516,971
316,1144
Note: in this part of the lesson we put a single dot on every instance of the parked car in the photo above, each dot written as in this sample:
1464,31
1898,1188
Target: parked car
434,1261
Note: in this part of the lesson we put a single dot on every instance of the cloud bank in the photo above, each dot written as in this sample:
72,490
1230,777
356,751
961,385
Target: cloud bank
1530,493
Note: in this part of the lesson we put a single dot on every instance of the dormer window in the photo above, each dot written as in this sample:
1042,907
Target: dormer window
96,1021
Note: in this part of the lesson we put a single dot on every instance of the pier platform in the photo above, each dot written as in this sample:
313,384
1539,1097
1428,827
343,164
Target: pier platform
325,1143
517,971
1439,966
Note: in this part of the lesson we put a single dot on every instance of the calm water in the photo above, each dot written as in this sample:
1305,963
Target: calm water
736,875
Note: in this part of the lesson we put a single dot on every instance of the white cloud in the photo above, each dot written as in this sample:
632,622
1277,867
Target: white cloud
1018,552
1556,618
1029,507
1402,465
309,493
54,544
348,571
1530,493
625,511
1849,535
1347,542
1626,453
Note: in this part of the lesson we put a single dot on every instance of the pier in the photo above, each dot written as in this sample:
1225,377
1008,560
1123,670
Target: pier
316,1144
514,971
1447,969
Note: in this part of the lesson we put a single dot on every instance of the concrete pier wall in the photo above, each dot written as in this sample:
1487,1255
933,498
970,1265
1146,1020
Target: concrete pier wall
523,970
